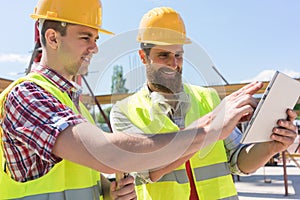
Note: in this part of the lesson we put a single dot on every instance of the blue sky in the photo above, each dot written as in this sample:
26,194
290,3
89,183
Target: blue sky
246,40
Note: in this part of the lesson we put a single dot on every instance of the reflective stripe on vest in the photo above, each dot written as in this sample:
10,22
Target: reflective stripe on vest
201,173
235,197
66,180
210,184
74,194
212,171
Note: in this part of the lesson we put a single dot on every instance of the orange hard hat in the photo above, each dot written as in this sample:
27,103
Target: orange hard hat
82,12
162,26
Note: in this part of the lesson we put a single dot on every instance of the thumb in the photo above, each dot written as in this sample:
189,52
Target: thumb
113,187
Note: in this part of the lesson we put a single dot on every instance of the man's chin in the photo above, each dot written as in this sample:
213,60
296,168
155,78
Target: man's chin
168,88
82,70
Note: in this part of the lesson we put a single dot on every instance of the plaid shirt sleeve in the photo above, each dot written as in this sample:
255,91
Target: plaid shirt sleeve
33,121
233,148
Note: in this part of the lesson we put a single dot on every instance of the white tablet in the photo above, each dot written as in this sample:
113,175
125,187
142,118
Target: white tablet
282,92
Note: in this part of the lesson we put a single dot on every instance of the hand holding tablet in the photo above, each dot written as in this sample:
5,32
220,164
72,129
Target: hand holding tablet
282,93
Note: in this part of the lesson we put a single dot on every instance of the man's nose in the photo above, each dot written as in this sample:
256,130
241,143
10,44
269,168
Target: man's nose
173,62
94,49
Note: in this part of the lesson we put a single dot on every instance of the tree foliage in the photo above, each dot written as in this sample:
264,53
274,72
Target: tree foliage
100,118
118,82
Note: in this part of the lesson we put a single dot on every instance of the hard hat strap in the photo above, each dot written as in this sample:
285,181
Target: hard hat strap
40,26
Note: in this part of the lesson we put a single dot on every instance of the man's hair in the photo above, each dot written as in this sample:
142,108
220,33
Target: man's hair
58,26
146,47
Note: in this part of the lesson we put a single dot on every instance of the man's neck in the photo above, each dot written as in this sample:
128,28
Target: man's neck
58,70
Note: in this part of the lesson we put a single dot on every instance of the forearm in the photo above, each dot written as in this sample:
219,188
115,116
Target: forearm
156,174
254,156
110,153
127,152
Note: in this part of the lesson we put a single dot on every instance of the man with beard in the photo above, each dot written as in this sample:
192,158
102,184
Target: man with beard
167,104
50,147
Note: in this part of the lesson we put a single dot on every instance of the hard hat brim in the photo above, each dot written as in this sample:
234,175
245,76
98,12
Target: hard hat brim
36,17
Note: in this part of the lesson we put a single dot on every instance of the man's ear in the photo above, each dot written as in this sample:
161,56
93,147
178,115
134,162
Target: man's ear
143,56
51,38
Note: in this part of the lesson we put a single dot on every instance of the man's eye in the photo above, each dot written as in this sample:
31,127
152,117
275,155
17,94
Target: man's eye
85,38
162,56
178,55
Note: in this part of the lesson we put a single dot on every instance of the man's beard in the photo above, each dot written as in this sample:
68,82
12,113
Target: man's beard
163,84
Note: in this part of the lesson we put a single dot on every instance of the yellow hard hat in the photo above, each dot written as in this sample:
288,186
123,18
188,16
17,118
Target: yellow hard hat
82,12
162,26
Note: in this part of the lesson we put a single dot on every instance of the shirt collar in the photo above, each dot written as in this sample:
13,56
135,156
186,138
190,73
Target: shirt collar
182,99
58,80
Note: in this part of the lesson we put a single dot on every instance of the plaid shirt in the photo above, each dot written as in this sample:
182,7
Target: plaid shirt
33,120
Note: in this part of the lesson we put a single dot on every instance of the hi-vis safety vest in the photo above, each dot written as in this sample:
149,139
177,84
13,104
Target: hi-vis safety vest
66,180
209,166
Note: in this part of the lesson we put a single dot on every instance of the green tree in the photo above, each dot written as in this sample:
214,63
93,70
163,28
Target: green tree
118,82
101,121
100,118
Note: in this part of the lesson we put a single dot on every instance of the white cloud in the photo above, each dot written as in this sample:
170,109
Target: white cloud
267,75
14,58
292,73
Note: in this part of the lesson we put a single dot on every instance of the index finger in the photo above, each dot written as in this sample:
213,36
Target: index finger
250,88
